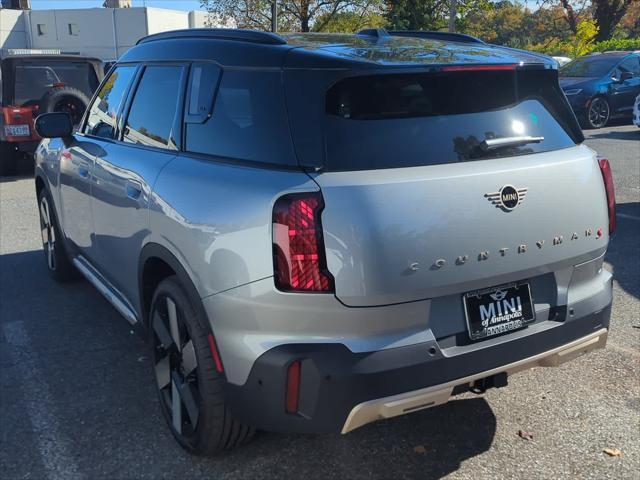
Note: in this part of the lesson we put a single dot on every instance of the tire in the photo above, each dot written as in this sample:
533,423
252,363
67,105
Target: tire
598,113
185,372
57,260
65,99
8,159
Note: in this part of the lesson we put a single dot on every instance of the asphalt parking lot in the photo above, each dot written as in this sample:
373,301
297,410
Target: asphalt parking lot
77,397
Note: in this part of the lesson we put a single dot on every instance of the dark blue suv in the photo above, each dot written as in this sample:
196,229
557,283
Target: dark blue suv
602,86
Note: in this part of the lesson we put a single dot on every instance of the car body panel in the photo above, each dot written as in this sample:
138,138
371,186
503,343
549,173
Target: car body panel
223,238
384,242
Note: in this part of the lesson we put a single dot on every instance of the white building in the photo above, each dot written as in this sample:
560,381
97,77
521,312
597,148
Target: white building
105,33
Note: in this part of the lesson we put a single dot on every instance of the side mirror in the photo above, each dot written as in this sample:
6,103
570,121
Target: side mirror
54,125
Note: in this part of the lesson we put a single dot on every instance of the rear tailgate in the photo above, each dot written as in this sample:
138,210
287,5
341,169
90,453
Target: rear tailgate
405,234
416,167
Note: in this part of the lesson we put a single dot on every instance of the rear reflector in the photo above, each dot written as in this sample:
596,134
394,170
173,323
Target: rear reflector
607,177
293,387
214,353
477,68
298,251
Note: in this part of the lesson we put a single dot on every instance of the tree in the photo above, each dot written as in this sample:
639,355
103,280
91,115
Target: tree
607,14
586,33
429,14
351,22
293,15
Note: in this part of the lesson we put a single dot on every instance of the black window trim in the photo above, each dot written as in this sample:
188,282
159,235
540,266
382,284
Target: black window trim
194,118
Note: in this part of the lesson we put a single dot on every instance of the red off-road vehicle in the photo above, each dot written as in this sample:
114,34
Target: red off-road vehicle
37,82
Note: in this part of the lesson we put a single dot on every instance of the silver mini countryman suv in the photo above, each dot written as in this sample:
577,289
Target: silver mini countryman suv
318,231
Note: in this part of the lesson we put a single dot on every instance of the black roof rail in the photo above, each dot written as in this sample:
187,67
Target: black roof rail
252,36
454,37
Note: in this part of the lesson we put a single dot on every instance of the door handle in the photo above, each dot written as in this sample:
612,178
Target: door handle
133,190
83,172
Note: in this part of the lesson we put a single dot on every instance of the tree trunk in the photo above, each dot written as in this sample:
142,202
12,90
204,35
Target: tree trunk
570,16
607,14
453,11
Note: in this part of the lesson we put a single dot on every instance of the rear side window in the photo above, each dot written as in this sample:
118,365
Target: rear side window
248,121
403,120
102,118
152,116
33,79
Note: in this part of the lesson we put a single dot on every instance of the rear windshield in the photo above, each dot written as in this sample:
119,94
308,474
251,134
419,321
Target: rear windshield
33,79
401,120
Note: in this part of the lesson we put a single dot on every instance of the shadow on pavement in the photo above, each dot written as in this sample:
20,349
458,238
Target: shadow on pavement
96,383
615,135
624,249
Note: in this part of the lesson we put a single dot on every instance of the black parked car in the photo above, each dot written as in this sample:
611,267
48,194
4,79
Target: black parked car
602,86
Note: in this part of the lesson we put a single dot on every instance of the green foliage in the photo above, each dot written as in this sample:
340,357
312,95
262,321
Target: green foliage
582,42
351,22
617,44
429,14
565,49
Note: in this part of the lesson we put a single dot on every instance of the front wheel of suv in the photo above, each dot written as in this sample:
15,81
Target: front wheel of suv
58,263
189,386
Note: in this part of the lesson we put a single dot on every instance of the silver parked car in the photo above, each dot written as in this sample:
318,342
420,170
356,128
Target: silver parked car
319,231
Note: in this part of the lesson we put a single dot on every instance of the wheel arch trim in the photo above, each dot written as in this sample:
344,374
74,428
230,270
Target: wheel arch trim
155,250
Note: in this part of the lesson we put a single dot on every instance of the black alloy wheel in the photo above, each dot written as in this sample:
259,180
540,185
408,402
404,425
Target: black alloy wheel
176,366
190,387
58,263
598,114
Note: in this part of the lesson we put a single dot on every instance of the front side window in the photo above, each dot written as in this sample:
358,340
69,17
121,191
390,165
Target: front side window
102,118
153,110
631,65
588,67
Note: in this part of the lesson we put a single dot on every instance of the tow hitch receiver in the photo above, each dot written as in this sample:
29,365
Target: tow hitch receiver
498,380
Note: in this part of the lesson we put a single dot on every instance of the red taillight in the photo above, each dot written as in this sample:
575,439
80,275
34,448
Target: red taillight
607,177
293,387
298,252
477,68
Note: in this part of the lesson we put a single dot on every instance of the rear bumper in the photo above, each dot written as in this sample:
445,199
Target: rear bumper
341,390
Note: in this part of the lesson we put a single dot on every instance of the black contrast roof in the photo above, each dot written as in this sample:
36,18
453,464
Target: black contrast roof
368,49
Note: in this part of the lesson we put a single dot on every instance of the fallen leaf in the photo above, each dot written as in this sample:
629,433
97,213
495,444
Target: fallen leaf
525,435
612,452
420,449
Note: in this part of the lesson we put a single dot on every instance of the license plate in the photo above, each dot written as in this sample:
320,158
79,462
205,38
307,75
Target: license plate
497,310
16,130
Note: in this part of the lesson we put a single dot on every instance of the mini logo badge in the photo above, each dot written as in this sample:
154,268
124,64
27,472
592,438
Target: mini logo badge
507,198
498,295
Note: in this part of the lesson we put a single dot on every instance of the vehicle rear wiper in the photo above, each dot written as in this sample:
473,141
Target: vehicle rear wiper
495,143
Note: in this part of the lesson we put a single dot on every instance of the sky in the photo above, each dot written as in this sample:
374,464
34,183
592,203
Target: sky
187,5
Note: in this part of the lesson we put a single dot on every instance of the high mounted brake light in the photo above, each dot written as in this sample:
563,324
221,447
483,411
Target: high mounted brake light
477,68
298,251
607,177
